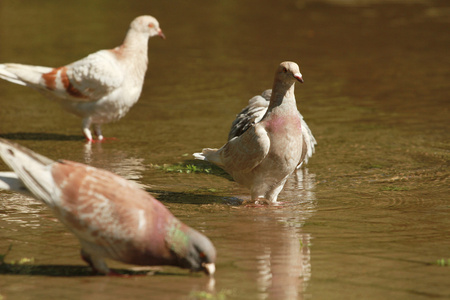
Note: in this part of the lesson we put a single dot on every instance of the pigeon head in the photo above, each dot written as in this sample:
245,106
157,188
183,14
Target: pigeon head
201,254
147,25
193,250
289,71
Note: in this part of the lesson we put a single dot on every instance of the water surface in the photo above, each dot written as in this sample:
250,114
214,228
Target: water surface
367,219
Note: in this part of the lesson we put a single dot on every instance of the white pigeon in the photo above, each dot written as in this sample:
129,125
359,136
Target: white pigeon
264,155
99,88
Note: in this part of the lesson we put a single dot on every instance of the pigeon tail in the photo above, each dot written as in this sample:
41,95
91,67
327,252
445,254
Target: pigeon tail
211,155
8,76
32,169
199,156
23,74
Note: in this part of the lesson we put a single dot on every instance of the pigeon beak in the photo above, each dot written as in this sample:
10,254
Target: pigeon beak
299,77
161,34
209,269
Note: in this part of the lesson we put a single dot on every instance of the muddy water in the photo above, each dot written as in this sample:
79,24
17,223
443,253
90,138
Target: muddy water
367,219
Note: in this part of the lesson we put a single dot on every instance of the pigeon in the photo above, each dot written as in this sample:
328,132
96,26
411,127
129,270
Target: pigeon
262,156
254,112
99,88
112,217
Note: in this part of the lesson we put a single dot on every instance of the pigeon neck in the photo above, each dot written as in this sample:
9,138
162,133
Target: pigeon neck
135,41
282,93
176,237
134,51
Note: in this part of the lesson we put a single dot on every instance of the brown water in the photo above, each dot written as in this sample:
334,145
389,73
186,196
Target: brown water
367,219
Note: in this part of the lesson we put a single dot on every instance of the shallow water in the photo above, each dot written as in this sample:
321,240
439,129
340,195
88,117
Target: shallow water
367,219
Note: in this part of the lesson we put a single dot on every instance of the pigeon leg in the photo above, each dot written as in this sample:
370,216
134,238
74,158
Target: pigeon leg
98,132
100,137
272,195
86,130
97,264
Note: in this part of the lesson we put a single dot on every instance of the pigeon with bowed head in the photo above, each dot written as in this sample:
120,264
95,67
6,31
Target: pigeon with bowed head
111,216
99,88
267,144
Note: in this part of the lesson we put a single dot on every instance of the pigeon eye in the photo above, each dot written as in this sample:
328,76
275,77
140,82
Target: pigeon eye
150,25
202,254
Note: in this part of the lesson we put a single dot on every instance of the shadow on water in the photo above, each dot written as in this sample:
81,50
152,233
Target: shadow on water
73,271
26,268
191,198
298,188
40,136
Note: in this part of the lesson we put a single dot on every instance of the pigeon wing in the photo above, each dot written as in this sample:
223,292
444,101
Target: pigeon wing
245,152
94,76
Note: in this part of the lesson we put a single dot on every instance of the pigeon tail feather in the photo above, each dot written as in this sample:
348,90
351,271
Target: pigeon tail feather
211,155
8,76
32,169
23,74
199,156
